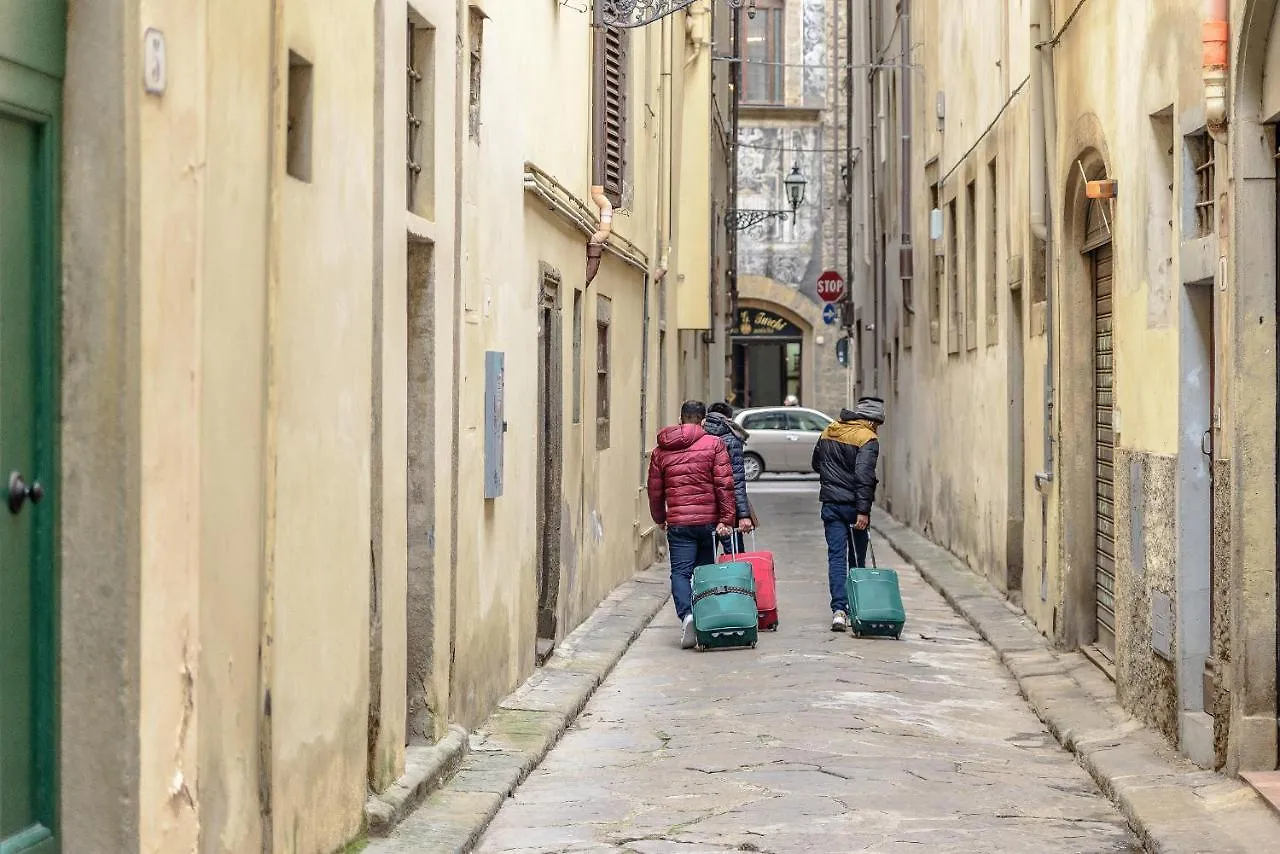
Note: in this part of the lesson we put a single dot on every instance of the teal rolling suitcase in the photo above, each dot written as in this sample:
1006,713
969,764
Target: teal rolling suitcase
875,601
724,605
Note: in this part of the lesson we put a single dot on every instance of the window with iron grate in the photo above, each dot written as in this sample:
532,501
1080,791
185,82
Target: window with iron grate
1200,150
419,109
476,41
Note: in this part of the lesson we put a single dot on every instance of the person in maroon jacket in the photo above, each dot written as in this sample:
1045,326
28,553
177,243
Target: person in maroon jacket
691,497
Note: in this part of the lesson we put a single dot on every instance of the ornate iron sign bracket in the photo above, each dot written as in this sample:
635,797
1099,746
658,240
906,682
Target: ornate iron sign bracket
741,220
628,14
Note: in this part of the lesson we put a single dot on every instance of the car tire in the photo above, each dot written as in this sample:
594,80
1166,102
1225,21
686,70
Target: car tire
753,465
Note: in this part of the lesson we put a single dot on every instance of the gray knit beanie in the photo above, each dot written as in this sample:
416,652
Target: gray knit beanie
870,409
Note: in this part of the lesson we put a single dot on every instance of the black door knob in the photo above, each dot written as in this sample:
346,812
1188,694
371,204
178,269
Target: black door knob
20,491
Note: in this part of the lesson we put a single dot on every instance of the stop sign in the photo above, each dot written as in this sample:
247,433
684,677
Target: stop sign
830,286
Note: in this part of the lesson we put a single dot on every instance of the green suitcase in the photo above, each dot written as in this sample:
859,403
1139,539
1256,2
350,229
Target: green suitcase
724,605
875,601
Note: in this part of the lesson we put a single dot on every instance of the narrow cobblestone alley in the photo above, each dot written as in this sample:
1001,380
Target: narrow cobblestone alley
814,741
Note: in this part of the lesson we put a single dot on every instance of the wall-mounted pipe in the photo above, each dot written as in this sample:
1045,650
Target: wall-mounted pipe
1213,34
906,258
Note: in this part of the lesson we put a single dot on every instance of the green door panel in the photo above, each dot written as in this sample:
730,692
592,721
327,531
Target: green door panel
32,34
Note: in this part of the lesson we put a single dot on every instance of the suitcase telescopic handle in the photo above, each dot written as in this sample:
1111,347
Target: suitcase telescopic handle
871,549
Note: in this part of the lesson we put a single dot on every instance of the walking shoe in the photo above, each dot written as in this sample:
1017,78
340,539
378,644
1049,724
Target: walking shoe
688,637
839,621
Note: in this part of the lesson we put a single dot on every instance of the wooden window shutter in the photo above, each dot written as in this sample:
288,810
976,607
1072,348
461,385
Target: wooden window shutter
612,146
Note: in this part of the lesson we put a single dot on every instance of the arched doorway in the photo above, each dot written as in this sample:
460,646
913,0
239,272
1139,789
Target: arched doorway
768,358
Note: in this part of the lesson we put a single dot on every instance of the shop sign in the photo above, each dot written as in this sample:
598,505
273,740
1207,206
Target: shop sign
758,323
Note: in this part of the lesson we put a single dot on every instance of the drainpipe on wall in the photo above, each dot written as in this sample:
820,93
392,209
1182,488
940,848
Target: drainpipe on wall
1043,145
1214,67
906,259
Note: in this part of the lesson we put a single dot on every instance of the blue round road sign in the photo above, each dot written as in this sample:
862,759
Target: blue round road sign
829,314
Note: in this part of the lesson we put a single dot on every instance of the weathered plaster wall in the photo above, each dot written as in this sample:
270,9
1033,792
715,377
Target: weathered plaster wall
321,393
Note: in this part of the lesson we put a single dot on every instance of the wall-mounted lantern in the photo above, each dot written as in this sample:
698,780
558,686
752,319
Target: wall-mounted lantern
795,184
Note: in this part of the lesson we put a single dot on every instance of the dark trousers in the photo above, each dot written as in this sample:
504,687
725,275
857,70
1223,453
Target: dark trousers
733,544
689,546
837,521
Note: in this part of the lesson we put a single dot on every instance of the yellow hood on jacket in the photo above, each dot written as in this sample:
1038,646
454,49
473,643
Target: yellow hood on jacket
856,433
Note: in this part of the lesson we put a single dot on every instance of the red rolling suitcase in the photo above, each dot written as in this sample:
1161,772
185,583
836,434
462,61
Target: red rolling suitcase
766,583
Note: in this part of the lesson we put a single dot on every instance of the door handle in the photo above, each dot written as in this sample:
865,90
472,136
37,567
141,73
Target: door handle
20,492
1206,444
791,437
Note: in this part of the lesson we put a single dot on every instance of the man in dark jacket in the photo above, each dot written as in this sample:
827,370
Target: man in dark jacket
719,423
691,497
845,460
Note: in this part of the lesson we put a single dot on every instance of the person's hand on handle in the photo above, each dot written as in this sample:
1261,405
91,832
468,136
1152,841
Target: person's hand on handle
864,522
722,530
745,526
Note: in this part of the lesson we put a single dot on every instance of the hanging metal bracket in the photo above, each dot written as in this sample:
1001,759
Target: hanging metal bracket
628,14
741,220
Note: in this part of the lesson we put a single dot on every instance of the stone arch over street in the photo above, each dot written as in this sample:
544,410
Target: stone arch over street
772,342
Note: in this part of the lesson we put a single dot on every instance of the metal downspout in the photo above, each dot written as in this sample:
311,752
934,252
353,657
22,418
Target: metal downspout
906,257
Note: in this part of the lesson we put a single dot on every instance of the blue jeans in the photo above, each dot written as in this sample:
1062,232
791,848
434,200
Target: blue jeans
837,520
690,546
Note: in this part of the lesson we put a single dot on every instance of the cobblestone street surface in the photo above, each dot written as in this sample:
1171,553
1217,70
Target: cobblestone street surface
814,741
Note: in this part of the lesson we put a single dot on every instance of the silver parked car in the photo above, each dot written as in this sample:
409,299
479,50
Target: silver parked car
781,438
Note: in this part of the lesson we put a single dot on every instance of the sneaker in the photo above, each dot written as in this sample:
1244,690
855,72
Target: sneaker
688,637
839,621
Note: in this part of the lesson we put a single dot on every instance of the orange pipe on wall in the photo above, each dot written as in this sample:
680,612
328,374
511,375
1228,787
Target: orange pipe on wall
1214,36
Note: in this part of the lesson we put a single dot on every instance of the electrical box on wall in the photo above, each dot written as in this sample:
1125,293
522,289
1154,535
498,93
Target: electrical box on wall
495,424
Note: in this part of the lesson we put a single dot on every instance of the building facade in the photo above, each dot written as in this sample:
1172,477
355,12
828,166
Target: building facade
1079,360
304,292
792,115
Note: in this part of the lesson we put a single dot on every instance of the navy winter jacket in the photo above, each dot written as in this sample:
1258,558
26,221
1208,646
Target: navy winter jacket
734,438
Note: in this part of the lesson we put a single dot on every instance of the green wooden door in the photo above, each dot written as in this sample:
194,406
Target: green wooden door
31,58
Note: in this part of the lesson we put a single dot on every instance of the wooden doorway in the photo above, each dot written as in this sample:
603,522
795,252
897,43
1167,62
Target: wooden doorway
550,501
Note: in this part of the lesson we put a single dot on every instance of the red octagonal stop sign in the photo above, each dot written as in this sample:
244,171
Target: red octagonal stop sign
830,286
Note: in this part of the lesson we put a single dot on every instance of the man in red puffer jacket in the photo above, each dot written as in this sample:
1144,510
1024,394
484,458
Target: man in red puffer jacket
691,497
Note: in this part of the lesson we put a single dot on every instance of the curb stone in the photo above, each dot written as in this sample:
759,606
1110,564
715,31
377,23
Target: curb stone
425,770
1173,806
498,756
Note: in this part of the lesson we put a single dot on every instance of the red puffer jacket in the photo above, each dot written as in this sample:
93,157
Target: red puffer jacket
690,478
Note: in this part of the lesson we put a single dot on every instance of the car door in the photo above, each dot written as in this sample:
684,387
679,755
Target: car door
806,427
768,438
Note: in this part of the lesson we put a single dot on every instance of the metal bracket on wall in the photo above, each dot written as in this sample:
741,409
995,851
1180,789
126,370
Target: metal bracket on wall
627,14
741,220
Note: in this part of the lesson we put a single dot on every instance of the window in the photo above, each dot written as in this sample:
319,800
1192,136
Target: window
954,325
419,110
763,49
936,272
1201,156
577,356
610,126
476,37
993,254
298,111
774,420
971,266
604,316
806,421
662,352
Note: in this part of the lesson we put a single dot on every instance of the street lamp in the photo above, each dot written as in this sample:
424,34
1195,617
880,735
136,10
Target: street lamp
795,183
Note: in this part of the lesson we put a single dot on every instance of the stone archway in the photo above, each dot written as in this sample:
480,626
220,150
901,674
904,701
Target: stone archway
1076,463
760,292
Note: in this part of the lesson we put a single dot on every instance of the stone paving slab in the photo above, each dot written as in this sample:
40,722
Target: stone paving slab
492,761
1175,807
812,742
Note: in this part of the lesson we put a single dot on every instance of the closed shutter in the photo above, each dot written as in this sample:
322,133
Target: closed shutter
612,143
1104,438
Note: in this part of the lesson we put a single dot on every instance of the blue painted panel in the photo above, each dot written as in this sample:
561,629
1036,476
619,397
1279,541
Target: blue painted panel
495,424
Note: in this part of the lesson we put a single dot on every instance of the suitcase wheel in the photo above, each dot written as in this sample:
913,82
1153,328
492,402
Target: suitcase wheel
753,644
